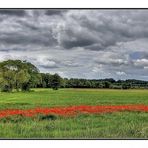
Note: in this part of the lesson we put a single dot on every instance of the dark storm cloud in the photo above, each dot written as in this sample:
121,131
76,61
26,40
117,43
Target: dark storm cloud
52,12
28,25
25,39
19,13
73,38
4,50
78,43
111,27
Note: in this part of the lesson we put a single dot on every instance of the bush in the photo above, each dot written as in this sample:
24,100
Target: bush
126,86
6,88
25,87
116,87
107,84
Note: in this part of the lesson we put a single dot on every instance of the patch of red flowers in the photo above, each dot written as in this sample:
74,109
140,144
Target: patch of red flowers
73,110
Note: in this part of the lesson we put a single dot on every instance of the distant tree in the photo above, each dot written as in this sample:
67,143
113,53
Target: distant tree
45,80
126,86
88,84
107,84
101,85
64,82
55,81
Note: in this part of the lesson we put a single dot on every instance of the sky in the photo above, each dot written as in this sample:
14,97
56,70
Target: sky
91,44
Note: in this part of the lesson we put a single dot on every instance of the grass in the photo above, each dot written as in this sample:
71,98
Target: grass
110,125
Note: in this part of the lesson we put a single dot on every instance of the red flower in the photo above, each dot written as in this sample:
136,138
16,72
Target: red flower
73,110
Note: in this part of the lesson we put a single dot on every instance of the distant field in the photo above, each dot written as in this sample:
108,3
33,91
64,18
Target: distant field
66,97
108,125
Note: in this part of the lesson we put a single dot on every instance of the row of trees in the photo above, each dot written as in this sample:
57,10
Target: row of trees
22,75
101,83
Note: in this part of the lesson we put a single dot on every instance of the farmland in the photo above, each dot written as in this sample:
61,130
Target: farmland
105,125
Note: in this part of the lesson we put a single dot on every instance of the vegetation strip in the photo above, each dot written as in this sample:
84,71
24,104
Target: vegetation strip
73,110
17,75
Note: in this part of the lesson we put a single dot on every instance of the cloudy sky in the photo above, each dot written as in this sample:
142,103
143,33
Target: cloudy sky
78,43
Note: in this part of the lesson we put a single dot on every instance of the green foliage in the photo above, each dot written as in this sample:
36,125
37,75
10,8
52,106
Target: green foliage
7,80
21,78
107,84
45,80
22,75
126,86
17,74
55,81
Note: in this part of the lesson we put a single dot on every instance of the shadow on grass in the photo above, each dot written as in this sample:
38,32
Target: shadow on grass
21,118
47,117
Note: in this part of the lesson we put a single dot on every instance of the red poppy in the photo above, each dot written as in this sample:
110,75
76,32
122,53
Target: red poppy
73,110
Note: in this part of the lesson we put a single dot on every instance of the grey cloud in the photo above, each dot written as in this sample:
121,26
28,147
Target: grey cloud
114,26
55,63
12,12
4,50
25,39
71,38
52,12
28,25
48,66
78,43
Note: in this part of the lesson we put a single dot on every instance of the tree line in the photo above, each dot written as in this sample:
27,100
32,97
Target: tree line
22,75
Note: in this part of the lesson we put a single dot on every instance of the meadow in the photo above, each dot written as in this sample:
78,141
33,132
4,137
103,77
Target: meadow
106,125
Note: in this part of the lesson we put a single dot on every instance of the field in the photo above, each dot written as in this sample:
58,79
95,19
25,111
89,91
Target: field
106,125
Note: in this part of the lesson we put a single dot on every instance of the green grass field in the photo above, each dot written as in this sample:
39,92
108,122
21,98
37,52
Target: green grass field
108,125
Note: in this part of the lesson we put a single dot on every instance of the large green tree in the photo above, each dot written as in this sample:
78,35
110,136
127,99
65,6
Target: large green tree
17,74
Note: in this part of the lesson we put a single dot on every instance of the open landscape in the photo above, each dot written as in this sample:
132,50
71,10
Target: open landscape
73,73
118,124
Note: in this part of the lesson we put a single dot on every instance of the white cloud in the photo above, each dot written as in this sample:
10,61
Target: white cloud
141,62
120,73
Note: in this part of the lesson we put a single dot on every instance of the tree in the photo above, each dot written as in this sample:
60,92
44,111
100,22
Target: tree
126,86
107,84
17,74
7,81
21,78
34,76
55,81
45,80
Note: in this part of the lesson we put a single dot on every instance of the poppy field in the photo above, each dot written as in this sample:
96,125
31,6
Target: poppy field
74,113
